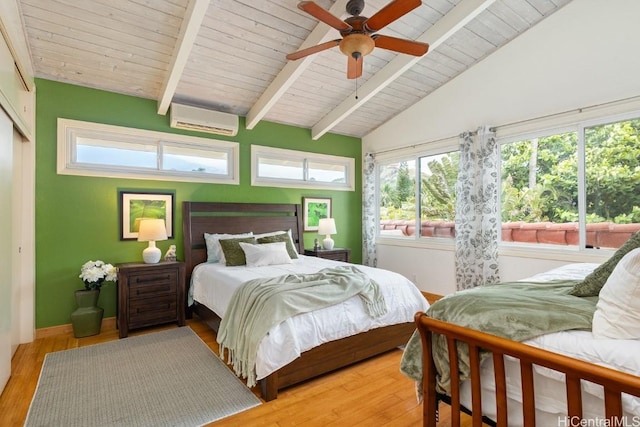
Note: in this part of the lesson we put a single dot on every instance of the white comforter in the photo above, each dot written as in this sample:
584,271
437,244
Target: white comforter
213,284
623,355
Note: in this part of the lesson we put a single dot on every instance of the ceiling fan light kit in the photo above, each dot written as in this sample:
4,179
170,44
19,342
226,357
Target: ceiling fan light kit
357,31
356,45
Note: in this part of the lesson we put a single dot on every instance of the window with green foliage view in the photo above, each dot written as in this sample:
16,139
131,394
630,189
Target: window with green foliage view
540,179
544,200
541,186
436,196
397,190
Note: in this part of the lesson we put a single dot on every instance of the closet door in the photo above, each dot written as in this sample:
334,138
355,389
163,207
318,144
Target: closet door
6,244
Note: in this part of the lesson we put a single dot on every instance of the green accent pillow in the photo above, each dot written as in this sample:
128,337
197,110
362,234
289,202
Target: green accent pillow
214,251
591,285
233,253
284,237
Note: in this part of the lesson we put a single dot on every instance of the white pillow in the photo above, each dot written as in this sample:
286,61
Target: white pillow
275,233
214,250
266,254
617,313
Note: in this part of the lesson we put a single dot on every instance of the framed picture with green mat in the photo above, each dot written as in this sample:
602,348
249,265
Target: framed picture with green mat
134,206
313,210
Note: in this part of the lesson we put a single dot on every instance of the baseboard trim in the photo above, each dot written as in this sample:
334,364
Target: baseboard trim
107,324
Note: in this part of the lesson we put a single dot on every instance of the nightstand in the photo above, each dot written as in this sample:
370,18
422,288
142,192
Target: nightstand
150,294
336,254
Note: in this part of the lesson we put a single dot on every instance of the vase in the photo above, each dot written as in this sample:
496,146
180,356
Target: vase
87,318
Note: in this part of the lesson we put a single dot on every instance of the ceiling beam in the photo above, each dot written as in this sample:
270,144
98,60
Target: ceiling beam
193,17
292,69
437,34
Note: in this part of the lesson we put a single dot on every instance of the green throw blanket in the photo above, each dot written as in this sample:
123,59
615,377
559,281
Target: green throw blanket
260,304
518,311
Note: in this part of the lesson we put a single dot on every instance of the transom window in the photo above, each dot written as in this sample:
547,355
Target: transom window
276,167
94,149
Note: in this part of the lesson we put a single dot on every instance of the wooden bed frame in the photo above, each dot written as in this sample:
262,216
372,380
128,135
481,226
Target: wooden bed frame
614,382
212,217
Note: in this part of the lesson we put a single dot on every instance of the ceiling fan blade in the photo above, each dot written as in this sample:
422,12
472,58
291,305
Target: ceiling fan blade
354,67
324,15
400,45
390,13
313,49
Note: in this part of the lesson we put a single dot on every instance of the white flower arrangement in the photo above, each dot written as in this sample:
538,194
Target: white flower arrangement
95,273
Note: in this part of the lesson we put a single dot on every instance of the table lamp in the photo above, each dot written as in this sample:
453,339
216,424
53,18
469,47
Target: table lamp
327,226
150,231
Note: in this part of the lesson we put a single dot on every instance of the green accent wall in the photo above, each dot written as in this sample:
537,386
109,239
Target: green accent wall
77,218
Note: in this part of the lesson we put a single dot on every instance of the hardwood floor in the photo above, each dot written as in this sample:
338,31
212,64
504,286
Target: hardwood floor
370,393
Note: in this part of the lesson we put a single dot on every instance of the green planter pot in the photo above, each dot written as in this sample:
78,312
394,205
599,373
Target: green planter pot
87,319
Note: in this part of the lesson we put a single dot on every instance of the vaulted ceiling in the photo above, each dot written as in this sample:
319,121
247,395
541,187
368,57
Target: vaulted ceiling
229,55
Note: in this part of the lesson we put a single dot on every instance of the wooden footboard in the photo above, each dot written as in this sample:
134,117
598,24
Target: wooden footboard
327,357
336,354
614,382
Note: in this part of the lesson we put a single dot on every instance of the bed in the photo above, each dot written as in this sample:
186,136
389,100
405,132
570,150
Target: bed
565,378
297,358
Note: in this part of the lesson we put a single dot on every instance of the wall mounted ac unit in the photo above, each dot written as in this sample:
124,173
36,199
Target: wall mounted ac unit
203,120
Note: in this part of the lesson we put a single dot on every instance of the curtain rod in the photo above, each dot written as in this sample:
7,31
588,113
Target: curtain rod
409,147
420,144
569,112
521,122
475,132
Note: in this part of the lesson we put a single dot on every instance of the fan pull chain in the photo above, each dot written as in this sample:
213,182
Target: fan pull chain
356,79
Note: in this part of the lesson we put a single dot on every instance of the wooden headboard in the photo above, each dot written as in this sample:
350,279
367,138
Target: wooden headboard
234,218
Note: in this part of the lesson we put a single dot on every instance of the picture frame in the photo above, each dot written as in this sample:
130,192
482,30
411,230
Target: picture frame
135,205
315,208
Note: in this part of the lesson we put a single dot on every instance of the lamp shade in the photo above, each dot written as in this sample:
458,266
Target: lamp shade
327,226
152,230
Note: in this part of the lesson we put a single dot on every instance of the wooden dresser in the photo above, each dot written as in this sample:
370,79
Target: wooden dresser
150,294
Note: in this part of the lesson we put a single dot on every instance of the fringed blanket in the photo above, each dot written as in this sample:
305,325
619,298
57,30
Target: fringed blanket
518,311
260,304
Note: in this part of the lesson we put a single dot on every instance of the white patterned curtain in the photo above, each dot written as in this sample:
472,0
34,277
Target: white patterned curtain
369,223
477,214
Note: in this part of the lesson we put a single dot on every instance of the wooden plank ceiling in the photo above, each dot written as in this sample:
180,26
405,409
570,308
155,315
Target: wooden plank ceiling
229,55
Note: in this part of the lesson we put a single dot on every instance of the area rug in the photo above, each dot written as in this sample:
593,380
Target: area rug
168,378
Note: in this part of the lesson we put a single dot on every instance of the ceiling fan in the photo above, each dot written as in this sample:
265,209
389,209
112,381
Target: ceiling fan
357,31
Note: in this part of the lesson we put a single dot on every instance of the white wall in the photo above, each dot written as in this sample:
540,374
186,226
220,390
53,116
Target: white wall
432,270
583,55
432,266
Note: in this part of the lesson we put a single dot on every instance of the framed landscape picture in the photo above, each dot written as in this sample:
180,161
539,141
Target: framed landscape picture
315,208
134,206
